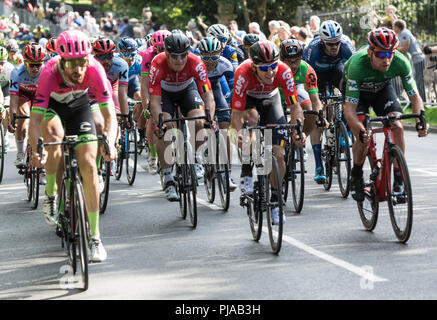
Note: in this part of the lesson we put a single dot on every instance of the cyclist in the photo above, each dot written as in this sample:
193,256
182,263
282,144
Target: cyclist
172,79
221,32
256,94
62,106
367,83
328,53
248,41
306,85
5,77
117,71
217,67
51,48
157,47
128,51
23,86
14,56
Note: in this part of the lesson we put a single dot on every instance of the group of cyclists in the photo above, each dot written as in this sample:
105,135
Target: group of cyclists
76,86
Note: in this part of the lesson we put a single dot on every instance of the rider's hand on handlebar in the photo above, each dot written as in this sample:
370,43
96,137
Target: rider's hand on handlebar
297,140
423,132
37,160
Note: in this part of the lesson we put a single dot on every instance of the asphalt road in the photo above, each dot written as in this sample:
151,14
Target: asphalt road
153,254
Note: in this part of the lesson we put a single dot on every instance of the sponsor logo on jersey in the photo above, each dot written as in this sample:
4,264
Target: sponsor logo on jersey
201,71
289,80
239,85
152,75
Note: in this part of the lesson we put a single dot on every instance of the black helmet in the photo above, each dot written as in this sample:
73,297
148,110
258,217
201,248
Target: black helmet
250,39
177,42
291,48
264,52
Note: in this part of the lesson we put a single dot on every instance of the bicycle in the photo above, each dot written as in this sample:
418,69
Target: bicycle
2,151
336,153
185,175
104,170
295,167
30,173
217,168
127,146
73,225
259,201
377,175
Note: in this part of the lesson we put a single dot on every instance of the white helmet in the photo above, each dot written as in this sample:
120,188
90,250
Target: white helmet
218,31
330,30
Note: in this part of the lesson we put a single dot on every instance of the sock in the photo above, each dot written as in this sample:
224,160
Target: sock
51,186
152,149
93,218
317,149
98,160
357,170
20,146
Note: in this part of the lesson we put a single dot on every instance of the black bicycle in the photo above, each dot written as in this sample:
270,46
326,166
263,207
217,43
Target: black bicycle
30,173
336,151
216,167
73,226
185,175
266,171
2,151
127,146
295,167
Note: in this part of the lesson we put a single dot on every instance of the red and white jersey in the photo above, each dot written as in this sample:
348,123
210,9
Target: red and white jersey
161,77
246,84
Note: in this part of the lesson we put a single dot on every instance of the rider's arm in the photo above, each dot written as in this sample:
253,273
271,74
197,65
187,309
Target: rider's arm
144,91
122,98
312,88
155,107
14,90
204,85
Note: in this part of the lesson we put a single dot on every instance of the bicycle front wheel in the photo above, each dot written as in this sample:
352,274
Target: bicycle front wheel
121,154
105,171
399,195
275,228
222,170
81,233
297,172
191,192
209,182
131,155
2,152
343,159
255,209
369,208
35,172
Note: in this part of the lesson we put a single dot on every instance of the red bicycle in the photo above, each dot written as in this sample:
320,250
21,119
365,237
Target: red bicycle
378,175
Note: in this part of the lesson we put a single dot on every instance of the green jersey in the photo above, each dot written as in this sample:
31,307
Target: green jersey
359,75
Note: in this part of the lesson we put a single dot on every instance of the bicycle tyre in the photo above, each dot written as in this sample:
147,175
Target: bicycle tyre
222,171
369,208
121,155
80,229
28,177
287,176
254,211
181,190
104,195
297,171
275,233
191,194
343,156
131,155
328,167
209,182
402,232
2,152
35,172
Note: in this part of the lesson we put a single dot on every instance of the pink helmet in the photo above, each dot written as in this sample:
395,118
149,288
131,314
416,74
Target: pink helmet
159,36
73,44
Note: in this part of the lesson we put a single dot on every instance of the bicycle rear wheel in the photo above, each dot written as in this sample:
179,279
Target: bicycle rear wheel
209,182
191,192
327,158
28,177
121,153
369,208
2,152
343,159
255,209
222,171
181,190
131,155
297,171
399,199
81,233
105,171
275,230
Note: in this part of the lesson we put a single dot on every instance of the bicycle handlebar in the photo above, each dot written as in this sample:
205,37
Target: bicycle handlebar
161,120
72,140
338,97
15,117
297,127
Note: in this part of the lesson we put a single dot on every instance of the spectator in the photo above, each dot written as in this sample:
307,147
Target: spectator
283,34
255,29
238,35
128,29
303,36
155,25
314,25
408,44
78,20
273,29
390,16
192,33
39,11
294,31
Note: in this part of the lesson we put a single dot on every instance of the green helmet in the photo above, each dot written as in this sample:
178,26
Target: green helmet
3,54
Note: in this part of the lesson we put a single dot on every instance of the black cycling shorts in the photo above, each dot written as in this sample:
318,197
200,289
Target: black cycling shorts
270,112
76,116
187,99
382,102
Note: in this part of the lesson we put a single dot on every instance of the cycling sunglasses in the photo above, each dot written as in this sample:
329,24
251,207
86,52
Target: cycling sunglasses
104,56
266,68
73,63
34,64
210,58
129,54
222,39
383,54
181,56
332,44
